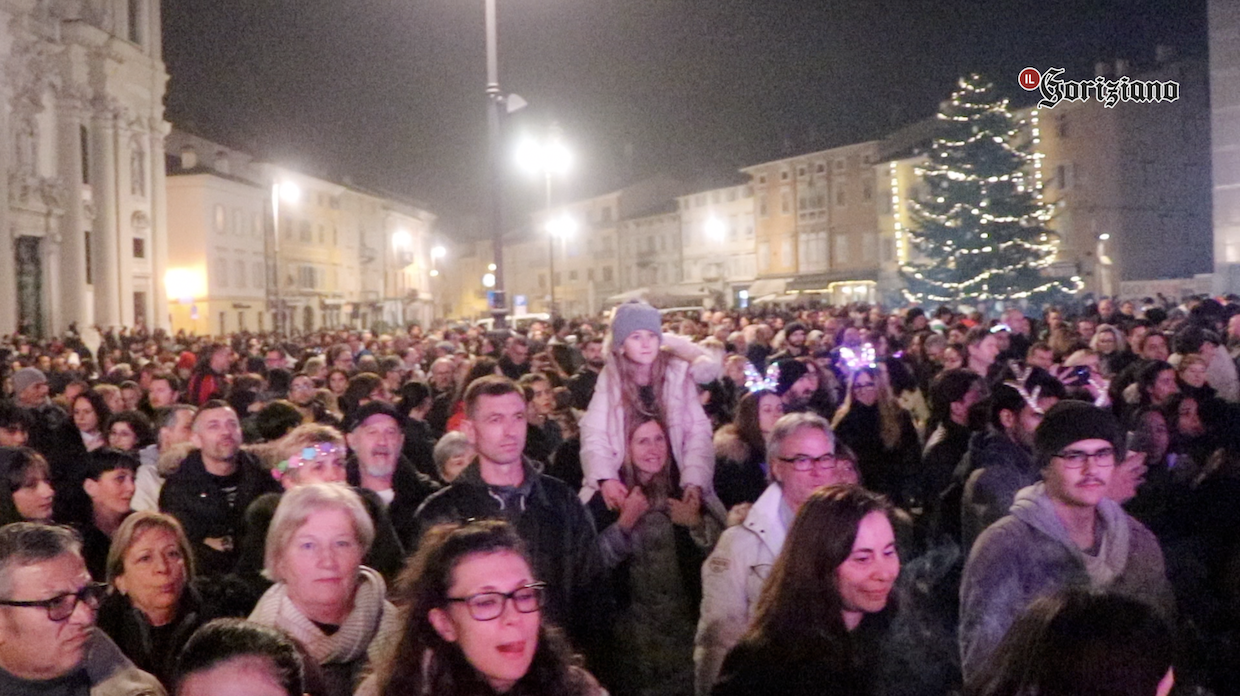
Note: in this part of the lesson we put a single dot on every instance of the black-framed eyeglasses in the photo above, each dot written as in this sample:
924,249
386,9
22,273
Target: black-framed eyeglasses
1075,459
804,462
487,606
62,606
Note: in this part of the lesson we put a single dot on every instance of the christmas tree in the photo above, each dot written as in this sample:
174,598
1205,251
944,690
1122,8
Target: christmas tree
979,228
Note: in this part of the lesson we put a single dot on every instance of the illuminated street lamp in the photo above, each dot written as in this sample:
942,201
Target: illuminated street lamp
290,193
563,227
548,157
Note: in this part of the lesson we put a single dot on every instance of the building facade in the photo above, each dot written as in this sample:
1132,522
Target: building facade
82,222
1224,23
717,241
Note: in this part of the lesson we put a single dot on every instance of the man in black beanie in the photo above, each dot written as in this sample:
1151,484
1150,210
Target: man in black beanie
793,384
1062,533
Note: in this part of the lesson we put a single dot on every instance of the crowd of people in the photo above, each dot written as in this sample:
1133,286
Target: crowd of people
816,500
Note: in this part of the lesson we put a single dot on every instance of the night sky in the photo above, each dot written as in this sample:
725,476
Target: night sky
390,92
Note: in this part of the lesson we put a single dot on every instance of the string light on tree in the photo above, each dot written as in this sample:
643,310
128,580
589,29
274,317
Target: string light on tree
980,228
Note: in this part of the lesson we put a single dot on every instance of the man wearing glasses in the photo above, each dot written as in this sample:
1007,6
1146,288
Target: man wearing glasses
1061,533
48,644
801,458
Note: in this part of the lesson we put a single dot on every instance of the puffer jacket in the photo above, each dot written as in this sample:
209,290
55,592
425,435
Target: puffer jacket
732,580
1029,554
689,432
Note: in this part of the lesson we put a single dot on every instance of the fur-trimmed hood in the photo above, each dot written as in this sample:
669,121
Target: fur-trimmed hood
729,446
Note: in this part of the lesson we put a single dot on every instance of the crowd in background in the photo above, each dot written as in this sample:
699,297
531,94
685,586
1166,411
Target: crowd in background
827,499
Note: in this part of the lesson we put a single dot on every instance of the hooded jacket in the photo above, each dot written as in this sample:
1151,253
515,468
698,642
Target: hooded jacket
1029,554
740,470
603,432
732,580
998,467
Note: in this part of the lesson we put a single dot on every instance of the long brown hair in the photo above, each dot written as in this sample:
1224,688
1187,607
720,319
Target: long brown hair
890,428
664,484
799,614
423,662
625,371
747,422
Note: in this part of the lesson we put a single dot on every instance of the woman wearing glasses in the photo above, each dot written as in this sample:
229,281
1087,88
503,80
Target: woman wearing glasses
473,622
888,461
823,618
323,596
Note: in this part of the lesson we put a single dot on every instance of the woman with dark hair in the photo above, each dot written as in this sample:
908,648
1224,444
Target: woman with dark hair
473,622
25,489
109,485
130,431
823,613
337,381
90,412
209,379
1081,644
655,545
740,448
361,390
889,461
480,367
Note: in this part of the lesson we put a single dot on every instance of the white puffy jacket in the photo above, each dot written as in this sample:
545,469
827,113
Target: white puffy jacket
732,580
688,429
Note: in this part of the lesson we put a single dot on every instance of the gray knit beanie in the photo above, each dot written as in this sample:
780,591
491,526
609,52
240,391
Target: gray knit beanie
632,316
25,378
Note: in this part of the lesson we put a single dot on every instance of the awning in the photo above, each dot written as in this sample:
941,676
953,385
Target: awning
821,281
659,296
768,286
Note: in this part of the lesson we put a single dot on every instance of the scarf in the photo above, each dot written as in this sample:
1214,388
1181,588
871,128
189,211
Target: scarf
361,631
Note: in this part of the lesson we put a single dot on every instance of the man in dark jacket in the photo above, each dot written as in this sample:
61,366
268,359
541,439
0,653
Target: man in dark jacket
376,463
1000,459
1062,533
515,362
215,484
952,394
581,385
501,483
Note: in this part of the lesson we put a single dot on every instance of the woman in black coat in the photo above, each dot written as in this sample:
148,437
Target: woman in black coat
821,622
881,433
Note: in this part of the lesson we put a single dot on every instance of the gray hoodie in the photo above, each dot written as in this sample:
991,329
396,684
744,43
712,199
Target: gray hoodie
1028,554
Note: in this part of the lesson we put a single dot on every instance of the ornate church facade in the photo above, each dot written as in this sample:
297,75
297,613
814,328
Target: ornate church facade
82,198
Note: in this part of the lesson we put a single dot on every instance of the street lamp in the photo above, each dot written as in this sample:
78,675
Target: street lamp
290,193
562,227
548,157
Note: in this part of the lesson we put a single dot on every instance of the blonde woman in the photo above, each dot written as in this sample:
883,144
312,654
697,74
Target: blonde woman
881,433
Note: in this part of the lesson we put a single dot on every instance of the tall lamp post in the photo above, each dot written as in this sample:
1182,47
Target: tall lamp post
495,101
437,253
548,157
289,192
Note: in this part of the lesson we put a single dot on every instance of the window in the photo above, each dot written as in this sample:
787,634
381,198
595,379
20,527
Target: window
139,306
821,168
221,270
801,171
786,252
220,219
607,274
257,228
1061,126
762,211
839,165
867,192
308,277
84,145
869,247
137,170
572,275
136,16
841,249
305,231
139,248
761,179
239,273
90,271
785,202
558,278
764,255
257,275
542,281
839,196
590,274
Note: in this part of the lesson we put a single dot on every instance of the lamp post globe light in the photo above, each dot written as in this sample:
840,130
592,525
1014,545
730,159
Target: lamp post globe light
287,192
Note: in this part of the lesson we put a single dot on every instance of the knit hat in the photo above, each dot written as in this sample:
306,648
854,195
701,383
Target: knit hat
26,378
633,316
1073,421
793,327
186,361
787,373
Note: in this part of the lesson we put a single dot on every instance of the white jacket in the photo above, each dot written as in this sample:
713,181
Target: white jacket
732,580
688,429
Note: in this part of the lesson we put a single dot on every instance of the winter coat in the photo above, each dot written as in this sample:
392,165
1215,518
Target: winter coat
656,580
886,471
1029,554
557,531
603,433
740,471
732,580
998,469
194,497
129,627
410,488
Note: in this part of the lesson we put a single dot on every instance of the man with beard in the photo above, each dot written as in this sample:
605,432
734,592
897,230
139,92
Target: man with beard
1061,533
794,385
794,342
212,488
376,439
581,385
